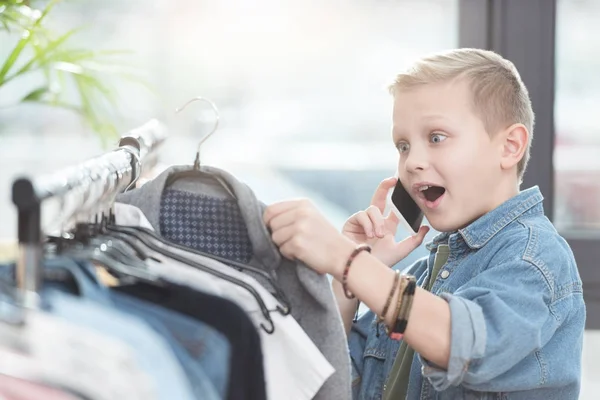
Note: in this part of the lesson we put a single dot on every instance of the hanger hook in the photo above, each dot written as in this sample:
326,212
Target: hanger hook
205,137
136,171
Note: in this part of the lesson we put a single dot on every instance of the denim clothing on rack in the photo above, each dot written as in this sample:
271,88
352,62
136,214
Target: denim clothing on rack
203,352
49,350
197,346
517,311
93,315
247,380
101,309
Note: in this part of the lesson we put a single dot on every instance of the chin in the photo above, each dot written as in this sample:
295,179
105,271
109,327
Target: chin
446,226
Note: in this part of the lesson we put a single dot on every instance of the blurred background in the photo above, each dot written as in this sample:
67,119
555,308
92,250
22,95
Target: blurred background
301,90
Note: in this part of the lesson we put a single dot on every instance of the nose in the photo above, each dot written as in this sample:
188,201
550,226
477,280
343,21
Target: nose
416,159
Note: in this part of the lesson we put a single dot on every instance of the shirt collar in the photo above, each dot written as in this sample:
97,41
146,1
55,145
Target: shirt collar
479,232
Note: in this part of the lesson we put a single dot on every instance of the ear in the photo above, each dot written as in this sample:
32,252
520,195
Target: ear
515,140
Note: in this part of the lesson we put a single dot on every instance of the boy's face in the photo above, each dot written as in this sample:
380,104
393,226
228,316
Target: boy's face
448,162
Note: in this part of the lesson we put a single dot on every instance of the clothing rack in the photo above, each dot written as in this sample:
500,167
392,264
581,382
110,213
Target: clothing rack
95,180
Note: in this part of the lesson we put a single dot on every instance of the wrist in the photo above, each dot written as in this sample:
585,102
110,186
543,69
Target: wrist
337,264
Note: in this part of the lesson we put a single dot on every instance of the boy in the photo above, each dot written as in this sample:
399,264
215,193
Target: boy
498,312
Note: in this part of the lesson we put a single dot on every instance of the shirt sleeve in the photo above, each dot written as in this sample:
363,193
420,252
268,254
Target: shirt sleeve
498,318
357,339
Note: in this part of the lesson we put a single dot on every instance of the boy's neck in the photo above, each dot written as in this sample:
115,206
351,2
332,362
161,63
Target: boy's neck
503,193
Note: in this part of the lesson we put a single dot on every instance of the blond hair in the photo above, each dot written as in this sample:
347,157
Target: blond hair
500,97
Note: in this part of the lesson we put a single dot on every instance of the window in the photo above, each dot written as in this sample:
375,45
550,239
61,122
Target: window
301,89
577,142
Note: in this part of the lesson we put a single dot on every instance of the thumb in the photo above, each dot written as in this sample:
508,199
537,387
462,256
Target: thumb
405,247
393,218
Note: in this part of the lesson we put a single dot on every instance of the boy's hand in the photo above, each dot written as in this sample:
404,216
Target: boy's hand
302,233
369,226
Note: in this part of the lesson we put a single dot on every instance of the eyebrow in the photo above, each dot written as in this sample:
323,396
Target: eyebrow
434,117
431,117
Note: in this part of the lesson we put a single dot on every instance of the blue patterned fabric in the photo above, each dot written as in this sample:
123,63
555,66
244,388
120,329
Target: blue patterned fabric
208,224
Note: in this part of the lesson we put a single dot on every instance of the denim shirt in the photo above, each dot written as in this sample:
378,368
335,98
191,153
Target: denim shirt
517,314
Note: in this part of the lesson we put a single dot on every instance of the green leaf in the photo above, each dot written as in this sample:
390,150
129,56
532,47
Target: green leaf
25,38
95,83
37,94
66,106
12,58
89,72
43,54
15,14
68,67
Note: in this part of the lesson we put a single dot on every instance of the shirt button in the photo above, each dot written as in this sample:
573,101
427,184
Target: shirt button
445,274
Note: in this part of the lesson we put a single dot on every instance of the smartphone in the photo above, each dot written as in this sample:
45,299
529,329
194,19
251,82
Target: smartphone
406,208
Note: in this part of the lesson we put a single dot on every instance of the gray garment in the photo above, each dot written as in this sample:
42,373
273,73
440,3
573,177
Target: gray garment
312,301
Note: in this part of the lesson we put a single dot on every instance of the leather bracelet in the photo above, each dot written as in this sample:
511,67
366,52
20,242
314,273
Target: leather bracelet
401,289
401,323
381,318
357,250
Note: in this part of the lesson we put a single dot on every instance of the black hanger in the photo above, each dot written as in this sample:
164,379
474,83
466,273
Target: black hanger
286,307
143,235
103,229
108,251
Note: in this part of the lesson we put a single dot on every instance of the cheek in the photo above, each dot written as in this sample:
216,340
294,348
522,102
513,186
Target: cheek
457,164
471,167
400,169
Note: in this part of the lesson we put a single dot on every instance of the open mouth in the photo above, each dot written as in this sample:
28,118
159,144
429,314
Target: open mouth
431,194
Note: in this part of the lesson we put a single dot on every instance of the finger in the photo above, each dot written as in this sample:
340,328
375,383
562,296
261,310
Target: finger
393,218
423,230
377,220
364,221
284,239
280,207
282,235
420,235
287,251
284,219
380,195
409,244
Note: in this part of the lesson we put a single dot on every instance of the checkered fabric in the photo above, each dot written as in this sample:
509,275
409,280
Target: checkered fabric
205,223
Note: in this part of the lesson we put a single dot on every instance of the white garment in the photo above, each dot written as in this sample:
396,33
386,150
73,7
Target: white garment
295,369
128,215
59,353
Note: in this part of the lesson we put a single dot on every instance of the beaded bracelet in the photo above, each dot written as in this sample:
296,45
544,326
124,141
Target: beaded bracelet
357,250
390,297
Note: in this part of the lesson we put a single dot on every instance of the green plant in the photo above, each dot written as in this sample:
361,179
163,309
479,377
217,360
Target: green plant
66,69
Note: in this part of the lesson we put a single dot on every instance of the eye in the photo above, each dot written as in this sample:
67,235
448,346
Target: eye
402,147
437,138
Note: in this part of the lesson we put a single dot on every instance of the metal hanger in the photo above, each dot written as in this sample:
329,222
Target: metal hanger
89,240
195,172
209,134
